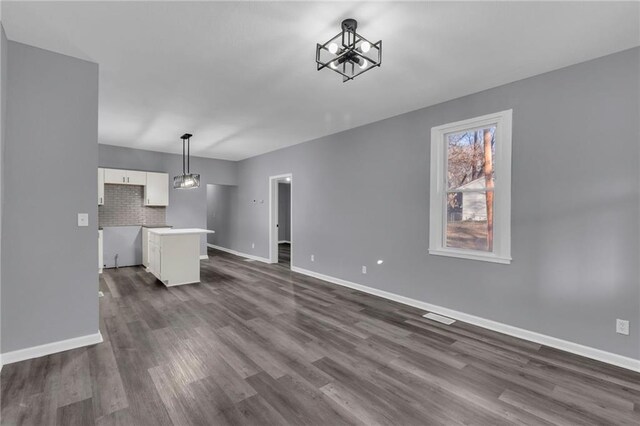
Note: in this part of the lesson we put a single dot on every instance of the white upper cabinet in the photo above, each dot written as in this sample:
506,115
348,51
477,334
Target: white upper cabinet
136,178
156,185
100,186
115,176
125,177
156,192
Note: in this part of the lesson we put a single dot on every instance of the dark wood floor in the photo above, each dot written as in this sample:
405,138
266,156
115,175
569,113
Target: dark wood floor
284,255
257,344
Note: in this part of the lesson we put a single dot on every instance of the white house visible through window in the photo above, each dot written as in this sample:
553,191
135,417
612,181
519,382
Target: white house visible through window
471,189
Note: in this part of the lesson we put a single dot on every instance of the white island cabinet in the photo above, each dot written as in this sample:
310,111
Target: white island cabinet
174,255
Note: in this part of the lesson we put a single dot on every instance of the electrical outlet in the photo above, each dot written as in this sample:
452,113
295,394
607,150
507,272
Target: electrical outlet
364,269
313,257
253,245
622,327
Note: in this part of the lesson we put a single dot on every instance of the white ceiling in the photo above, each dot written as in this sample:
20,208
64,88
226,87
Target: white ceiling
242,76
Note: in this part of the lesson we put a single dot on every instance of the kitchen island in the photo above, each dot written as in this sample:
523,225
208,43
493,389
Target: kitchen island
174,255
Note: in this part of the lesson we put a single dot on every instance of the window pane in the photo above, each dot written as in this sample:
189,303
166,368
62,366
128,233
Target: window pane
470,220
467,164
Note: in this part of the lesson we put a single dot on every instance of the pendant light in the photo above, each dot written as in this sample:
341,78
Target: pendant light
187,180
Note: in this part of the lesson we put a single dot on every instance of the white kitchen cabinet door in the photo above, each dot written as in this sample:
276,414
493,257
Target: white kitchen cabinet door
146,247
100,252
100,186
115,176
156,192
136,178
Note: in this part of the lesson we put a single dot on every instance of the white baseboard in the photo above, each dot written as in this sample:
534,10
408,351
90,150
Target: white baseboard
204,256
554,342
51,348
284,241
237,253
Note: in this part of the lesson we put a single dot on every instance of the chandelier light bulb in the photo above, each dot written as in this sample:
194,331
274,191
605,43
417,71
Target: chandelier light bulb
333,48
334,65
365,46
364,64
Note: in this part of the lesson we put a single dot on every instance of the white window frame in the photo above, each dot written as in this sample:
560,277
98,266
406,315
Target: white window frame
502,193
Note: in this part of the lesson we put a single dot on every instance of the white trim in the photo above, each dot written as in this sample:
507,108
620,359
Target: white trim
502,193
284,241
471,254
532,336
51,348
237,253
204,256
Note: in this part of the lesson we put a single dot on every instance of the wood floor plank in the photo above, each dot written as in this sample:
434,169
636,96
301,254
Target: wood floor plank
107,389
79,413
75,377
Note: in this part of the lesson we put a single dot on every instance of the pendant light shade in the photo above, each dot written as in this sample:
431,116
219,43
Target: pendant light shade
186,180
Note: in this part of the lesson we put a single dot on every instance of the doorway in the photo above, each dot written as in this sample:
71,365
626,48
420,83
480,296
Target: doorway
280,215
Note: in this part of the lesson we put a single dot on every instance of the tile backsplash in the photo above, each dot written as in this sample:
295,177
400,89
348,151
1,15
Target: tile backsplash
124,205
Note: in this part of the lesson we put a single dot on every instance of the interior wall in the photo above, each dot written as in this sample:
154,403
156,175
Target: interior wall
49,273
284,211
362,195
187,208
3,111
221,203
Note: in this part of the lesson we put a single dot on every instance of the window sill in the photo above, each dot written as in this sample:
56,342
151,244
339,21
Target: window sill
462,254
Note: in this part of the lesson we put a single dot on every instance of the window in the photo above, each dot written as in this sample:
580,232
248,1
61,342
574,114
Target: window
471,189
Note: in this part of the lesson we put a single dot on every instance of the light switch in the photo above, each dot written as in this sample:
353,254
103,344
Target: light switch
83,219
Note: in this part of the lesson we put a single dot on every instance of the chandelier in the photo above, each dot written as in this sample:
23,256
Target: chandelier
186,180
348,53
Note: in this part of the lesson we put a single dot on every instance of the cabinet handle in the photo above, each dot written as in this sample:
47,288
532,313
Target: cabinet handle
148,202
127,179
100,200
122,179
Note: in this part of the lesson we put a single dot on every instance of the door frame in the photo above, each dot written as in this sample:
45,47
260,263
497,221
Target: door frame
273,216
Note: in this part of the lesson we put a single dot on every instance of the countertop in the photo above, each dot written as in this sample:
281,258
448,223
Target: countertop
181,231
141,225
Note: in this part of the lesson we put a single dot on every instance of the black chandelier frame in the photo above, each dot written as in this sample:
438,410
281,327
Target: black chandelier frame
350,54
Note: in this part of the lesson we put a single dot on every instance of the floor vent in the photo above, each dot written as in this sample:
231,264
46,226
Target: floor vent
439,318
249,260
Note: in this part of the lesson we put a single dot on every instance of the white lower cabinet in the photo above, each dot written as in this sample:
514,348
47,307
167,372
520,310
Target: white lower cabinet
146,252
100,251
174,255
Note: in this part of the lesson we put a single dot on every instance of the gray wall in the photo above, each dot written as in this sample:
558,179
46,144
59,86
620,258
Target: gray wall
284,211
124,241
49,274
187,208
221,204
362,195
3,127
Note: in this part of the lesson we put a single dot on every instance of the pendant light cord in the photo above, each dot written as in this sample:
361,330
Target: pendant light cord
188,155
183,157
